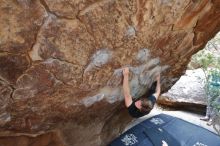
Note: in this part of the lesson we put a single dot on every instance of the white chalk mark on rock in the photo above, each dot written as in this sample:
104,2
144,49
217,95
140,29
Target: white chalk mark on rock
100,58
143,55
91,100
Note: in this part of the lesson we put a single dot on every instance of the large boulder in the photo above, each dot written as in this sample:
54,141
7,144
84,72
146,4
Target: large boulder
61,62
187,93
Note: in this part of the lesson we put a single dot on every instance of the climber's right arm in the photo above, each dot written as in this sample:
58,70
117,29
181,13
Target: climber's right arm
126,89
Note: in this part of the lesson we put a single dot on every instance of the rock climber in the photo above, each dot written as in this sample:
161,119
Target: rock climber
213,91
140,107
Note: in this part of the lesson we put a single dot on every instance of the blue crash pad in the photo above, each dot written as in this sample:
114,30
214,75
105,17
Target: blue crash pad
174,131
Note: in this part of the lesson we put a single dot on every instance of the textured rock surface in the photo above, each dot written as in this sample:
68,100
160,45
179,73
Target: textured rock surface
61,61
188,92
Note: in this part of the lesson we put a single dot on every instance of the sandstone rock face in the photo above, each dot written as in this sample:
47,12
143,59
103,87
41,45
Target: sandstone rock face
188,92
61,62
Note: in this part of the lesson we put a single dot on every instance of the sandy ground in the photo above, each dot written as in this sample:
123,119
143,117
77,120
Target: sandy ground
187,116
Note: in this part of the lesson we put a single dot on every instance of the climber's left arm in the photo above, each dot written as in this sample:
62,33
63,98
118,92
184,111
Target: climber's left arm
158,88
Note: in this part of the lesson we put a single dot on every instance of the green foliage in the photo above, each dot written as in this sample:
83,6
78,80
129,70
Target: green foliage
204,58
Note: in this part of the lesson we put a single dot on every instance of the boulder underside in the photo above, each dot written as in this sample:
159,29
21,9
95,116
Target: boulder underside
61,63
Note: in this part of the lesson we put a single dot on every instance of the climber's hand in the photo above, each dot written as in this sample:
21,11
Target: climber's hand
158,77
125,71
